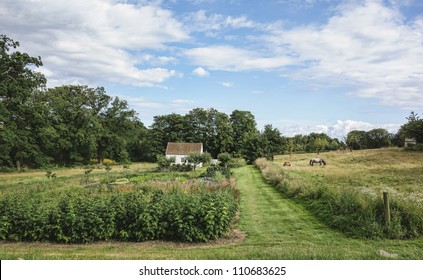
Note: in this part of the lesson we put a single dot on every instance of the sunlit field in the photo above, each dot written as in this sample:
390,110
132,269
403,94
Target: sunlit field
269,223
347,192
392,170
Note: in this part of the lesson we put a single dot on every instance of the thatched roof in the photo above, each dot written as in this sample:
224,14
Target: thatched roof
183,148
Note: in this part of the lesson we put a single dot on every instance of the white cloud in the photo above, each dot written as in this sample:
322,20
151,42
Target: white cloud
148,108
228,58
367,46
339,129
201,72
154,60
93,41
178,102
214,24
227,84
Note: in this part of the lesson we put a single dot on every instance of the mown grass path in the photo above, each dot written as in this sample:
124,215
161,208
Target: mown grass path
284,229
274,222
275,228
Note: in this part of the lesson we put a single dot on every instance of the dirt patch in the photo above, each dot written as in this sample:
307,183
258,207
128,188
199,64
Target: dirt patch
234,236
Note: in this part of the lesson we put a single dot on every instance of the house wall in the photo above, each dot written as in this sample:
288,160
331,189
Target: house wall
181,159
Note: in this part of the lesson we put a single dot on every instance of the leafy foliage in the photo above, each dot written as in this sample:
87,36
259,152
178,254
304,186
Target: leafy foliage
83,215
165,162
412,129
19,117
224,159
214,171
375,138
196,158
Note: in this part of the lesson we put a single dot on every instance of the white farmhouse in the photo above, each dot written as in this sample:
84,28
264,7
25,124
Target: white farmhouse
180,151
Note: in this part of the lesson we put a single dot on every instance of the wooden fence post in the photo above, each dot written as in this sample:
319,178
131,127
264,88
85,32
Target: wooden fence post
386,207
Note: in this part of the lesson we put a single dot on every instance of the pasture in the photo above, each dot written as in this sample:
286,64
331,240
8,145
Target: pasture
347,192
269,225
380,169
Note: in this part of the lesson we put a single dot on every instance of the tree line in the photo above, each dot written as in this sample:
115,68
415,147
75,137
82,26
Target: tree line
70,125
378,138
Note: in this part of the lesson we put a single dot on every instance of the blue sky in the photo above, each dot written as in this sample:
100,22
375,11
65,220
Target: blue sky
302,66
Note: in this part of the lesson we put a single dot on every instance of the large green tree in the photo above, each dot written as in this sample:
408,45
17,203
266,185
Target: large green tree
210,127
243,125
220,133
320,143
252,148
413,128
18,111
73,113
118,130
195,126
164,129
91,124
356,140
272,142
139,147
378,138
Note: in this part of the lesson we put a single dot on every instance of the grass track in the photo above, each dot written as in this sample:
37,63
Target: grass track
285,230
276,228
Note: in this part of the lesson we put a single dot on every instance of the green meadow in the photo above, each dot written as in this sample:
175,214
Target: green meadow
274,221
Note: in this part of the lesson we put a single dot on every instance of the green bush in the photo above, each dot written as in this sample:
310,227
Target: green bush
213,171
83,216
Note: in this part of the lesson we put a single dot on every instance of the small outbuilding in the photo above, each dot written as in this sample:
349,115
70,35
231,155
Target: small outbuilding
180,151
409,142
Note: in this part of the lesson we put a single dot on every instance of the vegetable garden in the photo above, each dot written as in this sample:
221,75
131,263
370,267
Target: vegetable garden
150,206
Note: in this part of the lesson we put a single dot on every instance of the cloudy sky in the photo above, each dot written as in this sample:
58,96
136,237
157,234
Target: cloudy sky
302,66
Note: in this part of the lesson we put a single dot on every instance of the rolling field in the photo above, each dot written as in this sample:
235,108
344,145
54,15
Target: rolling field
270,225
380,169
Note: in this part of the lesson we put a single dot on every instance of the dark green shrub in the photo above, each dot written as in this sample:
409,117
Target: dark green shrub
214,170
82,216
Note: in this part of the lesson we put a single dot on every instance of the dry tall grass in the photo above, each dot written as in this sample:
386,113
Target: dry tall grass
347,192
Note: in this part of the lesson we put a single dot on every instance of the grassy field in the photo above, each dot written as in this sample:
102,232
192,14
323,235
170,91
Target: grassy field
347,193
270,225
391,169
67,178
34,178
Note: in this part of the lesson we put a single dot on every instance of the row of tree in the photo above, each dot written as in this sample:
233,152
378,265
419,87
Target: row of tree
63,125
68,125
378,138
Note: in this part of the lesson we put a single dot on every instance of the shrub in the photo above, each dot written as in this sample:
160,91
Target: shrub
83,216
165,162
216,171
224,159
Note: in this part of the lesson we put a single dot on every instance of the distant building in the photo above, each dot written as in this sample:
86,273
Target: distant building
409,142
180,151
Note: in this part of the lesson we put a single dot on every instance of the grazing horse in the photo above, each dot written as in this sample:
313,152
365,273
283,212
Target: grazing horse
317,160
287,163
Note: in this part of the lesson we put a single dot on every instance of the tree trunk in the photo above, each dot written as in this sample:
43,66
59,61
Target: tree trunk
100,155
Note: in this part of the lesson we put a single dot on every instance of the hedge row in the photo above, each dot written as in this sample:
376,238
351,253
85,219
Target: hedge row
358,212
82,216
